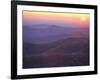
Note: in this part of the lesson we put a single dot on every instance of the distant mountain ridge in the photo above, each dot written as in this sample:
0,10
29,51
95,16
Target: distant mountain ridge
50,33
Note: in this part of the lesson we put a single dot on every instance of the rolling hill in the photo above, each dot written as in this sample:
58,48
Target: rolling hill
41,34
73,51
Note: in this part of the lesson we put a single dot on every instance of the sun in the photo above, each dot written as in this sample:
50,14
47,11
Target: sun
83,18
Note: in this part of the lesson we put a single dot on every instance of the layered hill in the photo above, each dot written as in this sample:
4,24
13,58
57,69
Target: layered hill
66,52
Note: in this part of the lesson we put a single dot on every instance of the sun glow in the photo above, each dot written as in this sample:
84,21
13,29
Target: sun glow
71,19
83,18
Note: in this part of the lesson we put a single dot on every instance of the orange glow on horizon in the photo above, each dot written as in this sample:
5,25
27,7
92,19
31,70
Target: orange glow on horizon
74,18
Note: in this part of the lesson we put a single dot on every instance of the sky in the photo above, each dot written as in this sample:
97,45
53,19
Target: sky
56,18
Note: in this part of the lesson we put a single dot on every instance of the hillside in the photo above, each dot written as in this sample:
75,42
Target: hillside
67,52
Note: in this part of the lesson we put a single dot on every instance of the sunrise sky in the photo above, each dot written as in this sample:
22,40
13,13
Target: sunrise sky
58,18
